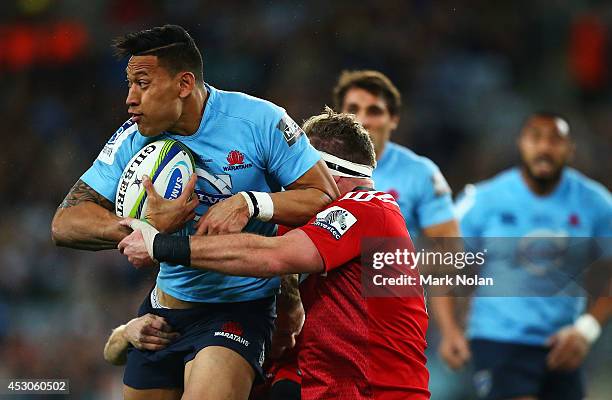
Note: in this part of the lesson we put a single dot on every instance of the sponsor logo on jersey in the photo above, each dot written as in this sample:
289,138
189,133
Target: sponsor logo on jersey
336,220
235,161
107,155
120,131
508,218
483,381
290,129
440,185
210,199
233,331
574,220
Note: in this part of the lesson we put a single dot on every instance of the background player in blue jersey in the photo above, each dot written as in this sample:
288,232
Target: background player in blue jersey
415,181
239,143
530,347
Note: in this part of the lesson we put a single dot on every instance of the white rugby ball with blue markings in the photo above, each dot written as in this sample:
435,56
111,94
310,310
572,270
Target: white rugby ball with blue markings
167,162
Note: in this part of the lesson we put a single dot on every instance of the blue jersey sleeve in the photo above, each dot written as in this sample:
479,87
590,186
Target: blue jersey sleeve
287,150
435,205
602,209
468,213
103,176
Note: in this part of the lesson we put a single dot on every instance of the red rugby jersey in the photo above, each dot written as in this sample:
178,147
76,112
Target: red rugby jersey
356,347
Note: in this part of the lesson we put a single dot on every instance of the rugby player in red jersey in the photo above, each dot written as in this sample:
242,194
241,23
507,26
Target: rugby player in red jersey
351,346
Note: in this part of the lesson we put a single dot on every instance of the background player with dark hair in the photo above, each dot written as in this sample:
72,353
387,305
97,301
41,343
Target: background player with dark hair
530,347
168,98
415,181
351,347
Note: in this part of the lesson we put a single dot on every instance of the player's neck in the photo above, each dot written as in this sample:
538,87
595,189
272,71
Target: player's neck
381,150
193,112
346,185
540,187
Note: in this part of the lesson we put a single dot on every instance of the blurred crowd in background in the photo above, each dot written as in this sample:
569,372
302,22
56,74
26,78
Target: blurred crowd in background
469,73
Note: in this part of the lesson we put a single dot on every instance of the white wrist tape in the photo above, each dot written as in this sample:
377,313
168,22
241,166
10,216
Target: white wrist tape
588,327
249,203
266,206
148,233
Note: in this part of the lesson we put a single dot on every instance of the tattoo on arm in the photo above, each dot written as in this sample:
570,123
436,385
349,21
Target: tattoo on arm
81,192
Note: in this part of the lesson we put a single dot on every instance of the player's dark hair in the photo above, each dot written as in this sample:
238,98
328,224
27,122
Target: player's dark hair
374,82
171,44
340,135
547,114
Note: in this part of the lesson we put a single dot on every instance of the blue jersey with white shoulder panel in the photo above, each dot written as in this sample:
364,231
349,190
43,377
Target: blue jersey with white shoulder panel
242,143
417,185
504,207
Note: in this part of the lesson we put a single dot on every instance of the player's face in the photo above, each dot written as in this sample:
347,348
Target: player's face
373,113
153,96
545,147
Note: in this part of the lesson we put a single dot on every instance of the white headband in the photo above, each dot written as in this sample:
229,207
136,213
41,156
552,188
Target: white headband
349,169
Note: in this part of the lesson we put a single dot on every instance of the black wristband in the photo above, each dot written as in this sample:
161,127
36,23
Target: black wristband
172,249
255,204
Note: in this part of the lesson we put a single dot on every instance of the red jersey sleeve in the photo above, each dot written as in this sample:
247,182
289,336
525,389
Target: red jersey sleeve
337,231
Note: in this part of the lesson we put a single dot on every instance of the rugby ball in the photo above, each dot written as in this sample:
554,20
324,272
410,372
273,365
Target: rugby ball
167,162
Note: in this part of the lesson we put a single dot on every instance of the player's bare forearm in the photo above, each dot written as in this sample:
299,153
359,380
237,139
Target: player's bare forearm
115,349
237,254
85,220
312,192
601,309
443,310
253,255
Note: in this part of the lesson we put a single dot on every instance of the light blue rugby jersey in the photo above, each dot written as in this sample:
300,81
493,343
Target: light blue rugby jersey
418,186
243,143
539,260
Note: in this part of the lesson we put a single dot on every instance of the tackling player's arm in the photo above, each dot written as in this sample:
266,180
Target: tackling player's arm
242,254
85,220
254,255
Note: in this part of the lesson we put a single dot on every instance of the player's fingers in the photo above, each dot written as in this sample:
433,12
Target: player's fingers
150,331
156,323
190,187
193,204
126,222
555,355
152,339
121,246
463,351
190,217
149,188
153,347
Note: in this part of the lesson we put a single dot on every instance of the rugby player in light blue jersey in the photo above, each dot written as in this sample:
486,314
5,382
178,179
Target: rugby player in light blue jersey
415,181
529,346
240,144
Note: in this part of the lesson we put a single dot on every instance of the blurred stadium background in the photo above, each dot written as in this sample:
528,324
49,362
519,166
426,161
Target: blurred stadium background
469,73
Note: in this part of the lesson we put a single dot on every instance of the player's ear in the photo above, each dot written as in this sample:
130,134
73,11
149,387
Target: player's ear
187,83
395,121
